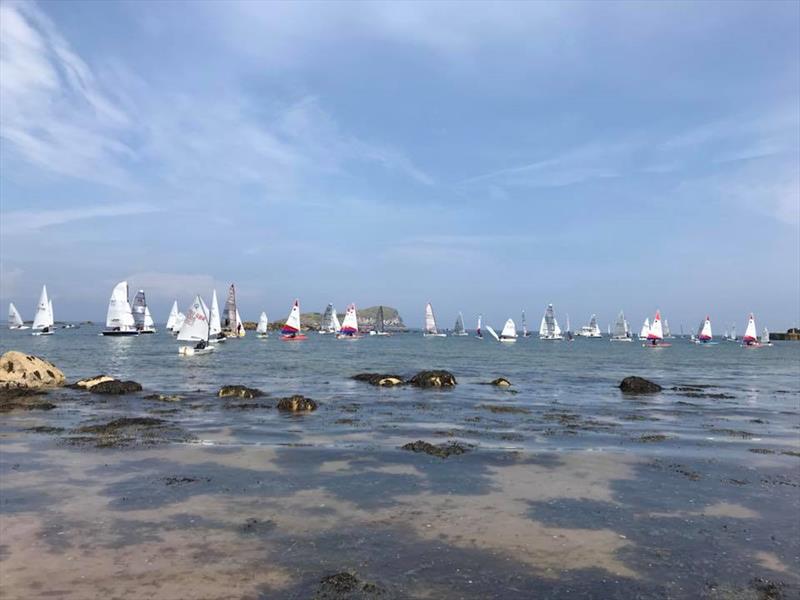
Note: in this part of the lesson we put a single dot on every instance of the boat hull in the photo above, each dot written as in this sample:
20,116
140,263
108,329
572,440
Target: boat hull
293,338
434,335
191,351
625,339
37,333
119,333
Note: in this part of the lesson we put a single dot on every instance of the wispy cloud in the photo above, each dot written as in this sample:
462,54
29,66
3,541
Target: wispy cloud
167,286
25,221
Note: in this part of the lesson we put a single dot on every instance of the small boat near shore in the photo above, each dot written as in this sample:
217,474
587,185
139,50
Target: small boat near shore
119,318
750,337
509,333
655,334
231,321
349,329
290,332
704,335
430,323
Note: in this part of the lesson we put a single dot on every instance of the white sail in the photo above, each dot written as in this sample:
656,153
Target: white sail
263,324
750,334
645,329
509,330
705,331
173,316
765,336
549,329
458,328
239,325
656,332
229,316
524,325
119,315
14,319
214,323
665,329
179,319
493,333
478,331
51,316
326,325
42,317
148,319
292,324
350,323
430,320
543,327
195,325
337,327
621,327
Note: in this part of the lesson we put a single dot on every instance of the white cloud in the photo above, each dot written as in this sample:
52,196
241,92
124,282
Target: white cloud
25,221
180,286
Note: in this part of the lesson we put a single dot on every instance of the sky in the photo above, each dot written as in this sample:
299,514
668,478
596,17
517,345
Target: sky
486,157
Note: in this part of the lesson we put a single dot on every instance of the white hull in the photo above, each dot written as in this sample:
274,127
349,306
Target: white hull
551,338
434,335
19,328
589,335
621,339
119,333
42,333
459,334
263,336
191,351
508,340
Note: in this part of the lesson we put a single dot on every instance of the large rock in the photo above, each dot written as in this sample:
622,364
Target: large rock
296,403
239,391
441,451
639,385
115,387
90,382
379,379
501,382
18,370
427,379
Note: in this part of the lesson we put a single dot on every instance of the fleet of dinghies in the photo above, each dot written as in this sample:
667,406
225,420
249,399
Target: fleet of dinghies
204,326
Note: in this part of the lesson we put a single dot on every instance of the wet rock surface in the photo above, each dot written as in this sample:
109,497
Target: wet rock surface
164,397
639,385
346,586
126,432
296,403
379,379
239,391
500,382
19,370
23,399
440,451
437,378
115,387
88,382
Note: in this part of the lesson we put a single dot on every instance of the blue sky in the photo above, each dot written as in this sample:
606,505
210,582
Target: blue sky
486,157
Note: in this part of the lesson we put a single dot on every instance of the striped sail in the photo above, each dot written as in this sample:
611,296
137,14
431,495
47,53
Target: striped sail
229,316
292,324
621,326
380,326
350,323
705,331
458,328
327,319
750,334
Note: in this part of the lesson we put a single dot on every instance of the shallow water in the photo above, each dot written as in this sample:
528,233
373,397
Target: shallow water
570,488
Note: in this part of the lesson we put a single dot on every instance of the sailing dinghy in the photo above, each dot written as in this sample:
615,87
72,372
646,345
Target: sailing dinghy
645,329
750,337
478,332
239,325
704,335
380,324
349,329
119,318
549,329
430,323
765,338
141,314
14,319
655,335
231,322
621,331
290,332
592,330
178,323
215,334
330,322
458,328
173,316
525,332
263,326
43,320
509,333
196,328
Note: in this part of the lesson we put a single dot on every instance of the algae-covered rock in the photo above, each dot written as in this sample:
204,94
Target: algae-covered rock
638,385
296,403
19,370
380,379
240,391
436,378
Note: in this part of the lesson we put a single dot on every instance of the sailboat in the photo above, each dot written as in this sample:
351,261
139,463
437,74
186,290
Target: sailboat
549,329
655,335
750,337
667,332
330,322
509,333
231,322
592,330
645,329
178,323
42,320
263,325
568,333
732,337
478,332
141,314
704,335
173,316
380,325
349,329
196,327
14,319
621,331
119,318
765,338
215,334
458,328
430,323
290,331
525,332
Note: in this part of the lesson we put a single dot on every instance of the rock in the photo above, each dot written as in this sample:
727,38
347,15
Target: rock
505,409
239,391
115,387
164,397
18,370
89,382
426,379
296,403
501,382
442,451
379,379
346,586
127,432
23,399
638,385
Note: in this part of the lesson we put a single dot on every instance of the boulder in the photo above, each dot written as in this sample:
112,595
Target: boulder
21,398
239,391
115,387
427,379
296,403
379,379
89,382
18,370
441,451
638,385
501,382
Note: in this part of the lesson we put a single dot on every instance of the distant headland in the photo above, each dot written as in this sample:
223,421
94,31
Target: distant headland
367,319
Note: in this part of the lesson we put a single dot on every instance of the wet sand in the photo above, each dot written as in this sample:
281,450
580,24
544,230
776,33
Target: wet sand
613,504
